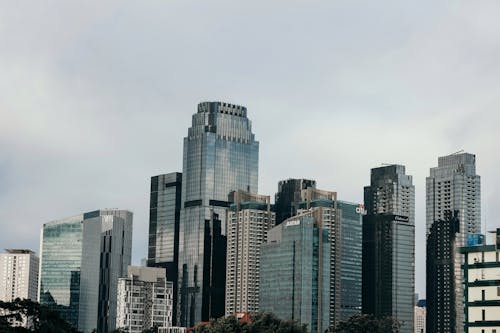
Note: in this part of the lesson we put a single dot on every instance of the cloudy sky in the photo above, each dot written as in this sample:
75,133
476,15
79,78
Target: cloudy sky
95,97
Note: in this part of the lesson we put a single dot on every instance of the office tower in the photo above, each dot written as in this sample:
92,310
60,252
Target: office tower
389,246
18,275
295,273
454,185
81,259
249,219
145,300
322,206
420,316
481,271
220,156
288,197
441,298
351,217
164,223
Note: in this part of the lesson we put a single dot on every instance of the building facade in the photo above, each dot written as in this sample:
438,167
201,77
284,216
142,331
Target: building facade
164,225
441,298
295,273
420,317
322,207
249,219
454,186
81,259
144,300
351,235
220,156
18,275
288,197
389,246
481,271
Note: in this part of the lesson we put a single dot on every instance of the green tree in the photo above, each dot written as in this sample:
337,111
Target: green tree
367,324
260,323
42,319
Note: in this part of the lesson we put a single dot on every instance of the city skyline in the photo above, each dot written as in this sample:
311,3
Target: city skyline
77,133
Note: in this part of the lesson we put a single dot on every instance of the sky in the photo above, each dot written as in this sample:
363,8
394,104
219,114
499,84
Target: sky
96,97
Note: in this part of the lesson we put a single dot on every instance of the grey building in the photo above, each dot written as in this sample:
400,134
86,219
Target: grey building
220,156
249,219
288,197
440,286
144,300
81,259
351,218
295,273
454,186
389,246
164,225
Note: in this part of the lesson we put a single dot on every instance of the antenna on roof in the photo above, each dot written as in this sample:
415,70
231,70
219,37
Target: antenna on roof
458,152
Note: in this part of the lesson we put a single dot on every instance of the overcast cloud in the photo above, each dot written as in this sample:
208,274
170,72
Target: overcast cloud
95,97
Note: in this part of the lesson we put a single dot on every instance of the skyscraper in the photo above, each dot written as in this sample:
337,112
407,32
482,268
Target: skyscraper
249,219
440,286
389,246
322,206
454,186
295,273
220,156
81,259
18,275
288,197
164,224
351,218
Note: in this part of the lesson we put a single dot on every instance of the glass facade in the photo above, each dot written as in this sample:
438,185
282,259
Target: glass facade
288,197
164,224
61,261
295,273
81,259
388,273
351,217
220,156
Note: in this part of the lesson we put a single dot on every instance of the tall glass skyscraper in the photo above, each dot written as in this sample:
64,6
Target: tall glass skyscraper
81,259
220,156
389,246
454,186
295,273
164,224
350,217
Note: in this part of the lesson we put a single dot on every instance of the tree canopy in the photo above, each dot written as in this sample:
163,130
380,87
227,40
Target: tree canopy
367,324
41,319
260,323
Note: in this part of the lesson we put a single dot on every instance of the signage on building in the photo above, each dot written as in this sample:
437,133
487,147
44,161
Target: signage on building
292,223
361,210
400,218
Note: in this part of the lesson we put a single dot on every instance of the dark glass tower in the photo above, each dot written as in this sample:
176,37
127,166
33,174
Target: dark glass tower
220,156
441,298
288,197
164,220
389,246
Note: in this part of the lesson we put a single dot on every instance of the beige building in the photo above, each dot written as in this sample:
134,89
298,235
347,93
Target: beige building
18,275
249,218
420,313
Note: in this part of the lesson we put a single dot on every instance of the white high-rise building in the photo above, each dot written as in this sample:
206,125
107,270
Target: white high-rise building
454,186
18,275
144,300
249,219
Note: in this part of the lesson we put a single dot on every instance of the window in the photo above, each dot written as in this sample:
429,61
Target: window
484,315
483,296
